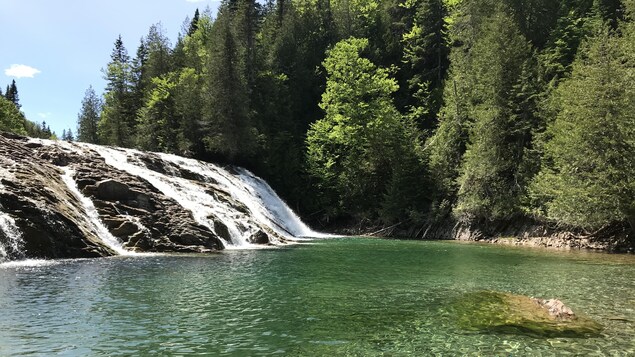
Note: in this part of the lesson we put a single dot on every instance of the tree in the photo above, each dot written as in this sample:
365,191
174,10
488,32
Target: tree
230,134
425,60
357,148
11,119
89,117
490,182
588,173
117,123
12,94
67,135
194,23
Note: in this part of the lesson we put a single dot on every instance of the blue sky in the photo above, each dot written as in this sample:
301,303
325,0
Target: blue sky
56,49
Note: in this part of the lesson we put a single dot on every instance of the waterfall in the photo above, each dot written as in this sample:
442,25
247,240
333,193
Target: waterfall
91,212
12,246
273,208
265,205
264,210
188,194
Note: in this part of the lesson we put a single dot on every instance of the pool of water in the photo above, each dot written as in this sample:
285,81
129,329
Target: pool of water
359,297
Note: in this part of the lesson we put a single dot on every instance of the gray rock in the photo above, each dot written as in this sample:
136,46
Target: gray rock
125,230
259,237
111,190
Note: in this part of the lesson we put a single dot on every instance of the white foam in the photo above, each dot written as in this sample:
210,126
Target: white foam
91,212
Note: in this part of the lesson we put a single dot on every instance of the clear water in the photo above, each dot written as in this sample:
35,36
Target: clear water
357,297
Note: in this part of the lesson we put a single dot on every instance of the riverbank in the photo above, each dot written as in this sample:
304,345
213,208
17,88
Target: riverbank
616,238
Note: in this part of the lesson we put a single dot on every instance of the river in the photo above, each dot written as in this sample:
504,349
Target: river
364,297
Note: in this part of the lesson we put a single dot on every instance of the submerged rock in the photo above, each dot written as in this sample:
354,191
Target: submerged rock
493,311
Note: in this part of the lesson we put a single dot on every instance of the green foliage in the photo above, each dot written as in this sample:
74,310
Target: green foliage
588,171
116,126
230,134
425,60
12,94
499,91
355,150
11,119
88,117
489,183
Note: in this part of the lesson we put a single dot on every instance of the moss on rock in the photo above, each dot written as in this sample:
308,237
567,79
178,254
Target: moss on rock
493,311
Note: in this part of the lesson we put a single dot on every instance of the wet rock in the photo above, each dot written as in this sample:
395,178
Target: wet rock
556,308
259,237
125,230
500,312
54,222
111,190
221,229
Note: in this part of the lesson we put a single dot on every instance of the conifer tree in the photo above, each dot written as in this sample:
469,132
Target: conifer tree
227,111
12,94
425,60
490,181
89,117
194,23
587,177
117,123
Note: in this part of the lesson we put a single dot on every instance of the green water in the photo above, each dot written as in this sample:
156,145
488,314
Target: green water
357,297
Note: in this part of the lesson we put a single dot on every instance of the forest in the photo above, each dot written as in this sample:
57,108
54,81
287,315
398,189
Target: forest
377,112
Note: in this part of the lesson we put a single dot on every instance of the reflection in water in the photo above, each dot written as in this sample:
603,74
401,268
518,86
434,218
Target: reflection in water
338,297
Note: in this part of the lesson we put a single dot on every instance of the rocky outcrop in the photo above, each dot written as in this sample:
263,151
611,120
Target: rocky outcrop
518,231
48,215
53,220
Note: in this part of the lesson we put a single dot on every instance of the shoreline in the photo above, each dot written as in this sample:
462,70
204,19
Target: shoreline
522,232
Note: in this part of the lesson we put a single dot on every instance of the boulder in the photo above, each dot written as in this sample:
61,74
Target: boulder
556,308
111,190
221,230
259,237
501,312
125,230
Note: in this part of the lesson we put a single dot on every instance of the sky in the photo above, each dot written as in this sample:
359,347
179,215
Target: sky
55,50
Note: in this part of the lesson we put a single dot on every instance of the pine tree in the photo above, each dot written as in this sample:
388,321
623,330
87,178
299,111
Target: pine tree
425,60
12,94
587,177
89,117
490,182
117,123
194,23
227,112
140,80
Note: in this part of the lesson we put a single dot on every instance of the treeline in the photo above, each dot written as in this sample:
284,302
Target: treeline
395,110
13,120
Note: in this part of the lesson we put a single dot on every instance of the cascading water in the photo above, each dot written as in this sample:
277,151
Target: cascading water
188,194
266,210
12,245
91,212
264,204
271,206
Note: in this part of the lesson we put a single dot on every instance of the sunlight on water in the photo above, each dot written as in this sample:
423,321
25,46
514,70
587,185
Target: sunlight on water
339,297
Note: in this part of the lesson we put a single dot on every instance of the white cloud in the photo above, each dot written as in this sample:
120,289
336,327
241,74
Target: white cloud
21,71
44,115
